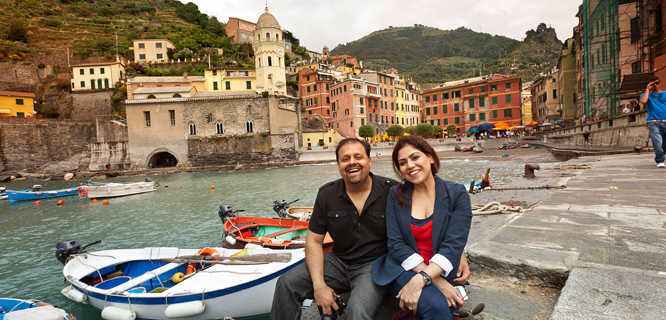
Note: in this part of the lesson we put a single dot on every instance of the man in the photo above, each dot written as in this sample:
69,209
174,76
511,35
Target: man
654,100
352,211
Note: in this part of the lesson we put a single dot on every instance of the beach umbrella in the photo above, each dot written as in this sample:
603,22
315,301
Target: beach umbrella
473,130
486,126
547,124
533,123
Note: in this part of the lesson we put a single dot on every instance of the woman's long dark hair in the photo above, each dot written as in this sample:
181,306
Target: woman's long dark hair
423,146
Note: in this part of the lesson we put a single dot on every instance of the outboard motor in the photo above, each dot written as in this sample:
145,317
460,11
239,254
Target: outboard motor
67,248
225,212
280,207
147,180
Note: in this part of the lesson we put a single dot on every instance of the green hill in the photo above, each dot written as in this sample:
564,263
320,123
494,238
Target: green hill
433,56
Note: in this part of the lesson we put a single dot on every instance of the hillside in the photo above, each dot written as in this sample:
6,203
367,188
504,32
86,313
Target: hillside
433,56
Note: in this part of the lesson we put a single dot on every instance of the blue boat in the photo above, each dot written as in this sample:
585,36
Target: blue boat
15,309
25,195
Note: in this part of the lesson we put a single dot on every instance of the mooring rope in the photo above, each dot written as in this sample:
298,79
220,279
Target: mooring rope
492,208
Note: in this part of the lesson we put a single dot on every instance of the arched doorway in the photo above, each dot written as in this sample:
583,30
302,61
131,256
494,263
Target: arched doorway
162,159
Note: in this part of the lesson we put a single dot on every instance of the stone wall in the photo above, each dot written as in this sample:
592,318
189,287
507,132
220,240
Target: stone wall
45,145
628,130
115,154
239,149
88,105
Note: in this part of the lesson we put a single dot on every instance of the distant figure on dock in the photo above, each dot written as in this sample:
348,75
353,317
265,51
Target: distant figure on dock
352,211
654,100
428,221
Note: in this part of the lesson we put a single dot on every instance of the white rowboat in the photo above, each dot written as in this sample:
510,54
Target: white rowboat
108,190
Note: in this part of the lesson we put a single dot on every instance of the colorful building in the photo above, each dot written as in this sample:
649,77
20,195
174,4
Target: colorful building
545,102
526,98
239,30
320,138
314,92
151,50
230,80
566,82
354,103
97,76
470,102
17,104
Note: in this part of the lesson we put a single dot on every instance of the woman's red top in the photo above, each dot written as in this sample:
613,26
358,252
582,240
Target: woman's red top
422,232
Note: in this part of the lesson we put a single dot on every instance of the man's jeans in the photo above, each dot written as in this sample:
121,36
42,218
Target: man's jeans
295,286
658,135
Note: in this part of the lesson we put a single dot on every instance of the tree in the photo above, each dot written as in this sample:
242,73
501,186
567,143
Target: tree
451,129
411,130
17,31
437,130
395,130
424,130
366,131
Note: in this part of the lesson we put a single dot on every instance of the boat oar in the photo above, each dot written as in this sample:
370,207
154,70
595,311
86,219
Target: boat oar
258,257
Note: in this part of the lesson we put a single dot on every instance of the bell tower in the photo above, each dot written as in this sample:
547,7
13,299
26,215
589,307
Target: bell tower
269,49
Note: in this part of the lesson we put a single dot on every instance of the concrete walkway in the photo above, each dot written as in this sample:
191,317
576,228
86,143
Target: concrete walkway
603,237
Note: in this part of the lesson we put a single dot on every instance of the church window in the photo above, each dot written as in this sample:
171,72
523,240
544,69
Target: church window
193,129
268,36
249,126
219,128
270,61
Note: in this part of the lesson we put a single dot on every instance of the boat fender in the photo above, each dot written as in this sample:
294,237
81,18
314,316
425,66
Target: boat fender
230,240
178,277
208,252
74,295
117,313
185,309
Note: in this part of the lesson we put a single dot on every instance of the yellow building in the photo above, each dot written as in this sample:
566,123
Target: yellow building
151,50
231,80
400,106
97,76
321,138
526,97
17,104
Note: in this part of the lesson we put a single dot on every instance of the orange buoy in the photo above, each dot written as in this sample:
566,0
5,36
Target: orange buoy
38,202
212,187
60,202
105,202
166,186
178,187
94,200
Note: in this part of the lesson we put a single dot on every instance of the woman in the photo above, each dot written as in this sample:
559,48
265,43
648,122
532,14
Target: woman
428,221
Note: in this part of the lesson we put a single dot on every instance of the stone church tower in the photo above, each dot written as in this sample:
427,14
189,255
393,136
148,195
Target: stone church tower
269,49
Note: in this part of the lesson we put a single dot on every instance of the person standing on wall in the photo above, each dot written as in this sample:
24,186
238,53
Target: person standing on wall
654,100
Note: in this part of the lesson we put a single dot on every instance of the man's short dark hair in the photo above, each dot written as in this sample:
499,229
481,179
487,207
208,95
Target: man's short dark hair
345,141
653,78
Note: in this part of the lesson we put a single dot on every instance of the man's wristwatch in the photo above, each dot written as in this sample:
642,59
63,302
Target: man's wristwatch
426,277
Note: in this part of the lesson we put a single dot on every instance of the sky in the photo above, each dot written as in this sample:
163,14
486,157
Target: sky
318,22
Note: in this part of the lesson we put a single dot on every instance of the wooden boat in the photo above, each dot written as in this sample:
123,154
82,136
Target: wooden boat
108,190
18,309
37,193
166,282
273,233
299,213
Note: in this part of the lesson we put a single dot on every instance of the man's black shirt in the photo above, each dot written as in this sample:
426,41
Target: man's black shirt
358,238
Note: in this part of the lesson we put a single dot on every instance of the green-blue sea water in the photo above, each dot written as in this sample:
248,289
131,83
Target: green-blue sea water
185,217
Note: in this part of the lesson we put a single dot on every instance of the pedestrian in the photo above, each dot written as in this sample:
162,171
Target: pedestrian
586,138
352,211
428,221
654,100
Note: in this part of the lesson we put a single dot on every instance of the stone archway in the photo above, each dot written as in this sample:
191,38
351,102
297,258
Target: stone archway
162,159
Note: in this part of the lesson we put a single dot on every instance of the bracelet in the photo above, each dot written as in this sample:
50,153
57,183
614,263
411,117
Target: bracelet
426,277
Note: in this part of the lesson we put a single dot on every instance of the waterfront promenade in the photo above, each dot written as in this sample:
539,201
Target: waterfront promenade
604,235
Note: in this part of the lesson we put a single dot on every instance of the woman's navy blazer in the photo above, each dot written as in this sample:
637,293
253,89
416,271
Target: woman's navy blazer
451,222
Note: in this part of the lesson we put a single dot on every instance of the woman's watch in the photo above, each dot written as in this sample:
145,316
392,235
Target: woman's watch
426,277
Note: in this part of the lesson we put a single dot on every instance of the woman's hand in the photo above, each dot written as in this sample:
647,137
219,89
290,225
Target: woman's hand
452,295
409,294
463,271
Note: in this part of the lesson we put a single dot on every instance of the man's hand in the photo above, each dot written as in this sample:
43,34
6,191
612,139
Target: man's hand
409,294
325,298
463,271
452,295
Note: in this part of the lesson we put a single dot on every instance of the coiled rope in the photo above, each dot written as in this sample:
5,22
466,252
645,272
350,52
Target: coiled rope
492,208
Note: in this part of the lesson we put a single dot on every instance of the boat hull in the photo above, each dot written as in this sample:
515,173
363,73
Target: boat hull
225,290
111,190
30,309
15,195
272,233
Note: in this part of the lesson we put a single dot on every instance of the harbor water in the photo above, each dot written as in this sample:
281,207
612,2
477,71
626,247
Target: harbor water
182,213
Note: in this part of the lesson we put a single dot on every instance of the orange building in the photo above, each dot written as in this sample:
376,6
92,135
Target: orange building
241,31
314,86
344,60
470,102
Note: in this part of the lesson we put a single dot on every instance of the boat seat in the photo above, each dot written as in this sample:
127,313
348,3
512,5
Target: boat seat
147,276
42,313
281,232
113,282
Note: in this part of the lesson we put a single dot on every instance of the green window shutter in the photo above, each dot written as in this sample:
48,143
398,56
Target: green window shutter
508,98
471,103
456,107
457,120
444,109
434,110
507,113
494,100
482,116
472,117
494,114
427,111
